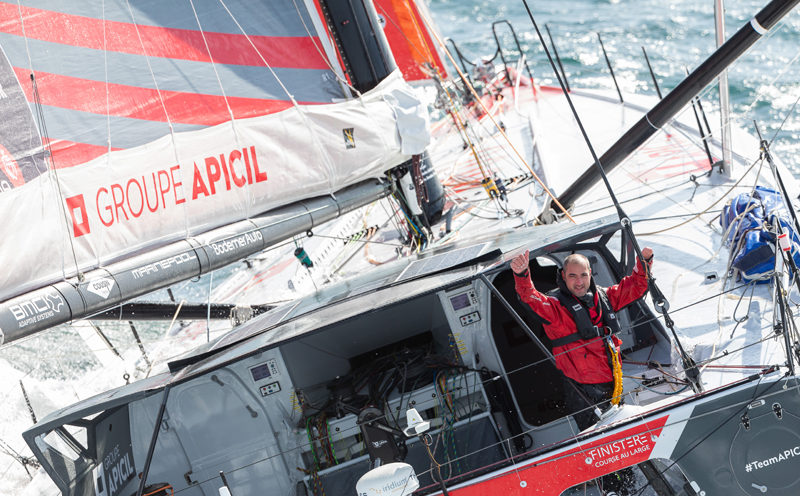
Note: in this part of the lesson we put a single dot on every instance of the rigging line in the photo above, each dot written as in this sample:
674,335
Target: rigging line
762,92
236,137
357,240
321,53
635,198
749,305
163,105
258,52
703,142
102,232
404,35
108,96
659,301
213,64
484,151
791,111
541,449
55,178
676,216
570,453
718,427
326,159
717,295
421,36
48,146
493,136
475,143
722,197
597,163
726,353
460,124
497,125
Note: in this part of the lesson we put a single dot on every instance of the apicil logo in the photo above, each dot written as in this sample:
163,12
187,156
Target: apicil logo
77,210
10,167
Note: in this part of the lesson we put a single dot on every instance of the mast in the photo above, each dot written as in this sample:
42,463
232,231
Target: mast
667,108
724,94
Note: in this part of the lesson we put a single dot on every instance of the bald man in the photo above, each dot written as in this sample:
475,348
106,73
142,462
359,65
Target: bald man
580,320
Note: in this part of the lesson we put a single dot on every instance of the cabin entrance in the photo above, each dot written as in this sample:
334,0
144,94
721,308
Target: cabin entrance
237,444
536,383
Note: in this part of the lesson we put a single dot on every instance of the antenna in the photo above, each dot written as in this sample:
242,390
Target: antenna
610,69
558,59
652,74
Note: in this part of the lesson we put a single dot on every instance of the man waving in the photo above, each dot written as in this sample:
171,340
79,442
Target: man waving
580,320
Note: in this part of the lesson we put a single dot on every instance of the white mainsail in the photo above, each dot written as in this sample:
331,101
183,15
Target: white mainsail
167,121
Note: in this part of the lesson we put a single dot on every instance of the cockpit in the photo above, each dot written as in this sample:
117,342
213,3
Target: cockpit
312,403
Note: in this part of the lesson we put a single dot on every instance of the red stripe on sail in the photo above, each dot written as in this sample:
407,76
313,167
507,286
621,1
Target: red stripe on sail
409,39
134,102
68,153
173,43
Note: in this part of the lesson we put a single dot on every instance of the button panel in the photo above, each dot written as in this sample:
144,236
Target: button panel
470,318
271,388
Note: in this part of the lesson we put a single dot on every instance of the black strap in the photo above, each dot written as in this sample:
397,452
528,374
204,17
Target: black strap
571,338
583,322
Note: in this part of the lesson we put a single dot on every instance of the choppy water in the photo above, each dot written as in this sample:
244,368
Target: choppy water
679,34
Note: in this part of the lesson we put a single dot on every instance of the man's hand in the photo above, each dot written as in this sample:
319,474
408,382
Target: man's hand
519,264
647,253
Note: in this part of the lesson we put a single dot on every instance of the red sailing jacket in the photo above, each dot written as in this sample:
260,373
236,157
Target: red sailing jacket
587,363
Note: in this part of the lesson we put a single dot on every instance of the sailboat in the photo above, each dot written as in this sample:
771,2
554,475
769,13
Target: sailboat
420,372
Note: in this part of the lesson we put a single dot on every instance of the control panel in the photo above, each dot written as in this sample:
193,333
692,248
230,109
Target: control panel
470,318
463,310
271,388
263,372
464,304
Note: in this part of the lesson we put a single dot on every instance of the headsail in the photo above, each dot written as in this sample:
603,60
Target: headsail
413,47
165,121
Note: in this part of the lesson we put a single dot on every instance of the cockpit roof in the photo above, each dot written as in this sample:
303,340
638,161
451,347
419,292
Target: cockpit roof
397,281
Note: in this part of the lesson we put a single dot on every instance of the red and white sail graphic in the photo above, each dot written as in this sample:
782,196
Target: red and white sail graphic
166,119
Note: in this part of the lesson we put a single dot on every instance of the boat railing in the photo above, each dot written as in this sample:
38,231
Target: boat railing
500,49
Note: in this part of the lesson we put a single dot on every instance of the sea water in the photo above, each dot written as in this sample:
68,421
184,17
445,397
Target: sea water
676,34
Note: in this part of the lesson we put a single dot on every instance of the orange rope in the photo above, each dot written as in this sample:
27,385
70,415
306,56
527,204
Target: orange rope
502,132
